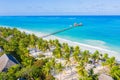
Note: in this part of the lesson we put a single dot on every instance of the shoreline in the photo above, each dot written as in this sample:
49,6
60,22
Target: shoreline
82,46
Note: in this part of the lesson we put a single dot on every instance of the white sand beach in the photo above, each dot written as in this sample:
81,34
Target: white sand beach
81,45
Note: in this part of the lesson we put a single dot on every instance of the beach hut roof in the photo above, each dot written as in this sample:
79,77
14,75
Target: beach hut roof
6,61
104,77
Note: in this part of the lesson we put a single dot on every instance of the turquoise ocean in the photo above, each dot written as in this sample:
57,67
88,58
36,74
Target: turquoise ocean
100,31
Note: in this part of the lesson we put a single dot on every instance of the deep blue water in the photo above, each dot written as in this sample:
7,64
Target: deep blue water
101,31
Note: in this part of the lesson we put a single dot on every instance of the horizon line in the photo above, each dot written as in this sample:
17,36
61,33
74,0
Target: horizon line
61,15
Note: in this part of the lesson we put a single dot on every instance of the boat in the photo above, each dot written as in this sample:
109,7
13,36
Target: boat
76,24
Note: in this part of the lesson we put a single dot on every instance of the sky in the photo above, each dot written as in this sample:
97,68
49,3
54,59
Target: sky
59,7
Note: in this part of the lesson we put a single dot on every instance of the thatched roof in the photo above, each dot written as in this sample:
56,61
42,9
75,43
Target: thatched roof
104,77
6,61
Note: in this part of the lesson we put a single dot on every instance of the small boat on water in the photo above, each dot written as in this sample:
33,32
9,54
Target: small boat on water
76,24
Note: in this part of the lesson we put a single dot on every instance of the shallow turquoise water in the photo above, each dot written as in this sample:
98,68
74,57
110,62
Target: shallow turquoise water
101,31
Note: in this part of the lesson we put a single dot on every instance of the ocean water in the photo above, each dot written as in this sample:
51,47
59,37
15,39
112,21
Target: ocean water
100,31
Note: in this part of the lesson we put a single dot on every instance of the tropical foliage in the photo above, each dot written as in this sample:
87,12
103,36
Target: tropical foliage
17,43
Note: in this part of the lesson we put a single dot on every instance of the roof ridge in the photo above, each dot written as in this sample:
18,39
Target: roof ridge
6,61
12,58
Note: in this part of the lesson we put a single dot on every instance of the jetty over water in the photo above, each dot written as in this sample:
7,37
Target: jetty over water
73,26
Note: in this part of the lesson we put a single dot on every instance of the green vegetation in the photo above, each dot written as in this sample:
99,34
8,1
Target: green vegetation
30,68
18,43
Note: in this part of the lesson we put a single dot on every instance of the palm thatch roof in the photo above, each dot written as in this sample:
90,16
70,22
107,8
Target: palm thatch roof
6,61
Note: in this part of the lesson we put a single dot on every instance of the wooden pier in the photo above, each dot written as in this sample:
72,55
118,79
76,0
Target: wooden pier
62,30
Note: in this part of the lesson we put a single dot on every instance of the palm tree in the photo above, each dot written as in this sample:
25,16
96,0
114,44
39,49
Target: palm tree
56,43
75,56
59,68
26,60
115,72
105,57
67,58
77,49
71,49
81,69
39,43
76,53
4,76
110,62
66,48
92,75
52,63
29,72
57,52
47,68
51,42
45,45
85,56
33,39
96,56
